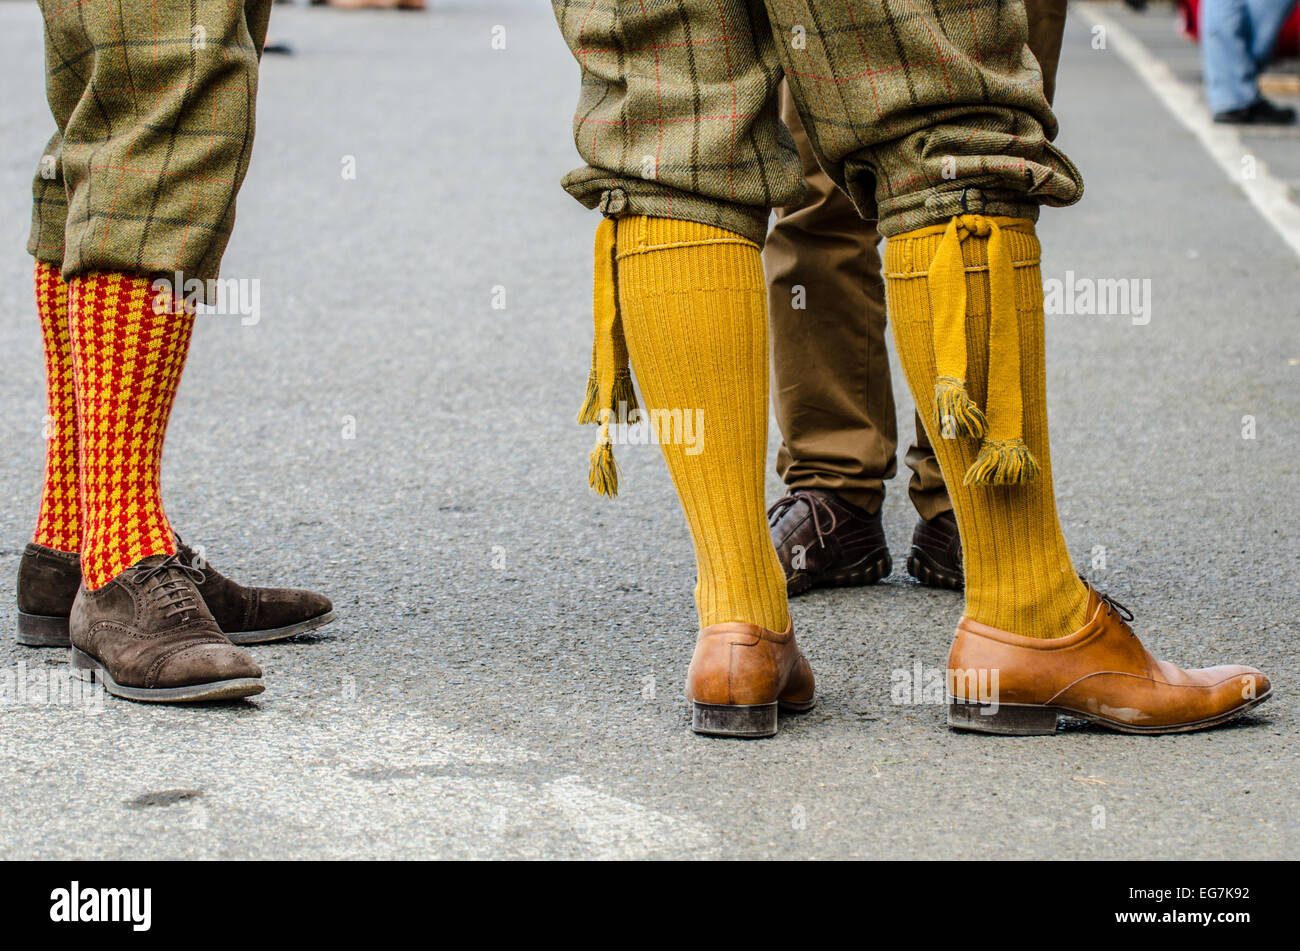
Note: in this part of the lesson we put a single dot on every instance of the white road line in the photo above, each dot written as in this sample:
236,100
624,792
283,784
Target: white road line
617,828
1269,195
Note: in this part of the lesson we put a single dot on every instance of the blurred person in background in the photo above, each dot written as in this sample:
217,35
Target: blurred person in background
1237,40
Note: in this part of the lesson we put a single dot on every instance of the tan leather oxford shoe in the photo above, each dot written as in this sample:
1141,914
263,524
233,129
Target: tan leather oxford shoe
739,677
999,682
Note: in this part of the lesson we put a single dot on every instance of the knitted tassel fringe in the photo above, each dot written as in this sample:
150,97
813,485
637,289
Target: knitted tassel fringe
623,398
957,415
590,405
603,473
1003,462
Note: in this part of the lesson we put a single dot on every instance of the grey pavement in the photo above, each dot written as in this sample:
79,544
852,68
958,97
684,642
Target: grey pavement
505,676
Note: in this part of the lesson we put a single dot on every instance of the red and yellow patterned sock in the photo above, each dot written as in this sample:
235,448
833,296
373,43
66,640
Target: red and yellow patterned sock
127,357
58,524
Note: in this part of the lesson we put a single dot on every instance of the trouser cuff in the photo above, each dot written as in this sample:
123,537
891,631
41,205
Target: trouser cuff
928,208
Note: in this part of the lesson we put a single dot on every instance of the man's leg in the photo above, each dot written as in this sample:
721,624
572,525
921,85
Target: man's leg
187,195
58,521
834,405
141,203
1227,59
958,188
833,399
127,357
1046,31
1267,17
1237,38
936,555
704,350
679,287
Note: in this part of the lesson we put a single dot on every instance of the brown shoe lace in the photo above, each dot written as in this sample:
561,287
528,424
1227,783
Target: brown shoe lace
1124,612
169,582
1113,606
815,503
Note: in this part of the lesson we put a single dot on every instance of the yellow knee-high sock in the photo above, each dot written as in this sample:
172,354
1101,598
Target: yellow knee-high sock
693,307
966,304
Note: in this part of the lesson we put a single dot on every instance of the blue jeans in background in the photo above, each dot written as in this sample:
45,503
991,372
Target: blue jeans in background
1237,38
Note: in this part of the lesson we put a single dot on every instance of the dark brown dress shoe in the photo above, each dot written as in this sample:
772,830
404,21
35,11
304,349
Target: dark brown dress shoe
824,541
1000,682
741,675
935,558
48,581
147,635
257,615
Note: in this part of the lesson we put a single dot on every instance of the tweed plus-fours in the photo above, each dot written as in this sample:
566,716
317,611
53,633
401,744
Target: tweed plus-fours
937,109
154,108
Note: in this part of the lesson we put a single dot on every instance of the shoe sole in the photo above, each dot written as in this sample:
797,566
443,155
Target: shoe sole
36,630
1019,719
742,721
281,633
925,570
88,668
864,573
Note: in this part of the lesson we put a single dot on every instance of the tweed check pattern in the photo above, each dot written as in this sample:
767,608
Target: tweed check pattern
128,351
57,523
154,105
934,109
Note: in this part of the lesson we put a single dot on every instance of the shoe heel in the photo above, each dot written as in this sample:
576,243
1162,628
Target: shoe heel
724,719
38,630
1007,719
82,664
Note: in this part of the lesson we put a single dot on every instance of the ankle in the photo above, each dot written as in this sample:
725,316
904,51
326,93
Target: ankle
1043,610
778,622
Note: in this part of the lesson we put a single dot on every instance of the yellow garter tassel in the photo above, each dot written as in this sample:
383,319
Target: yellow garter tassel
603,472
610,394
1002,463
591,404
957,413
1004,458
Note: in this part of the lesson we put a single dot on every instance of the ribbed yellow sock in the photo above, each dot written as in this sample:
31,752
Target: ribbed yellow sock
694,310
1019,576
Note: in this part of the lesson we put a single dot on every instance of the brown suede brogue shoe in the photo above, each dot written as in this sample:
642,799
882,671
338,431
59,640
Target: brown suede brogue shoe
147,635
935,558
739,677
48,581
257,615
999,682
825,541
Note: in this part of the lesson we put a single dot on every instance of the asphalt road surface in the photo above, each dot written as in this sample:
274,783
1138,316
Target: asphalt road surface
505,678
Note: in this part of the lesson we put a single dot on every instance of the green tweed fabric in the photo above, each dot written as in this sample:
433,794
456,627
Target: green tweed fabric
934,108
154,104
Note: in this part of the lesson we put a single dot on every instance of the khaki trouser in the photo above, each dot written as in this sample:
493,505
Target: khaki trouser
832,391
